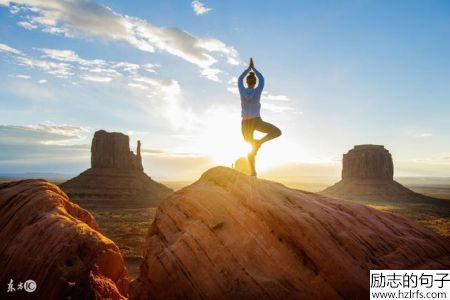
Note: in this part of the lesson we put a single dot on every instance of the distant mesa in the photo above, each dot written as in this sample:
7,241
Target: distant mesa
116,177
112,150
232,236
368,162
368,174
47,238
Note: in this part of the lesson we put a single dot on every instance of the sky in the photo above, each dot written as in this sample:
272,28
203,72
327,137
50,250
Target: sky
337,74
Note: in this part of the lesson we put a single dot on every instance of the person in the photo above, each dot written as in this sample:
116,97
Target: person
250,112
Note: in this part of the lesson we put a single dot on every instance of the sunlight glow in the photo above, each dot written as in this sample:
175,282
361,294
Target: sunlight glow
221,137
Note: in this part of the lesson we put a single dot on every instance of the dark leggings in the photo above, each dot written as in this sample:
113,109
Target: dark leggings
248,127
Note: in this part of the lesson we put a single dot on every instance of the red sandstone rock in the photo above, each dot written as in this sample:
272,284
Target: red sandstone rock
230,236
46,238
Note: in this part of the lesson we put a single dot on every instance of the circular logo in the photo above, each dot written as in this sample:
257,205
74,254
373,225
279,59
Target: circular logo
30,286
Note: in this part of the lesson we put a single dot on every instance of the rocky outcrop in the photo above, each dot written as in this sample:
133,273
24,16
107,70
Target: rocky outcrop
116,177
243,165
112,150
367,175
48,239
232,236
368,162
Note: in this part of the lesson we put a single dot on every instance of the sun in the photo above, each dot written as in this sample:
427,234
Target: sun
220,138
224,143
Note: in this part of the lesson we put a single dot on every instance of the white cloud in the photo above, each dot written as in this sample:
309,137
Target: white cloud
71,56
57,69
166,97
138,85
6,48
151,67
96,78
46,133
13,8
26,25
213,45
86,18
65,63
233,90
127,67
41,81
199,8
20,76
211,74
276,108
268,96
233,80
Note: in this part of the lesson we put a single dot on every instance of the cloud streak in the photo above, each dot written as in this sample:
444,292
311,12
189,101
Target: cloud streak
47,133
8,49
84,18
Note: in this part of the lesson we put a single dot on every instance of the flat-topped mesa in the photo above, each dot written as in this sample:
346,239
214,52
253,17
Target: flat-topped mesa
367,175
116,177
367,162
112,150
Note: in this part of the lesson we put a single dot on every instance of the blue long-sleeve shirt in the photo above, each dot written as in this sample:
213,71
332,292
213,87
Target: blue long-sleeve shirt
250,98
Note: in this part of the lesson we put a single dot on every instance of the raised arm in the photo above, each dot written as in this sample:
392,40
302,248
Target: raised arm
241,80
260,86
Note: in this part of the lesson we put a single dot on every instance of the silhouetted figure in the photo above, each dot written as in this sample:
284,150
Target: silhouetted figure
251,118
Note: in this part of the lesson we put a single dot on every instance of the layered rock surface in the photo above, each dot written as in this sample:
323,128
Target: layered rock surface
231,236
116,177
47,238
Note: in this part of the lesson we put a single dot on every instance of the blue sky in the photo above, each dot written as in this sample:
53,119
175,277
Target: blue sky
338,73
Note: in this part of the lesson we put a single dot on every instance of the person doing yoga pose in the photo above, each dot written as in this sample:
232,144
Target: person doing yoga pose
250,112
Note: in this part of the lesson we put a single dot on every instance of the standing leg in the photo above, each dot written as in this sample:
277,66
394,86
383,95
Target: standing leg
251,161
248,127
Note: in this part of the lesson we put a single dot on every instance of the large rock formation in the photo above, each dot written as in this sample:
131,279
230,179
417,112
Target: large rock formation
116,177
368,162
367,174
46,238
112,150
231,236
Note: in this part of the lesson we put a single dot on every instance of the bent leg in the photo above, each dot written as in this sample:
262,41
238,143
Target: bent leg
271,130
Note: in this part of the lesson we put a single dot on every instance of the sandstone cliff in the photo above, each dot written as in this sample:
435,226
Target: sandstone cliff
368,162
46,238
116,177
231,236
112,150
367,174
